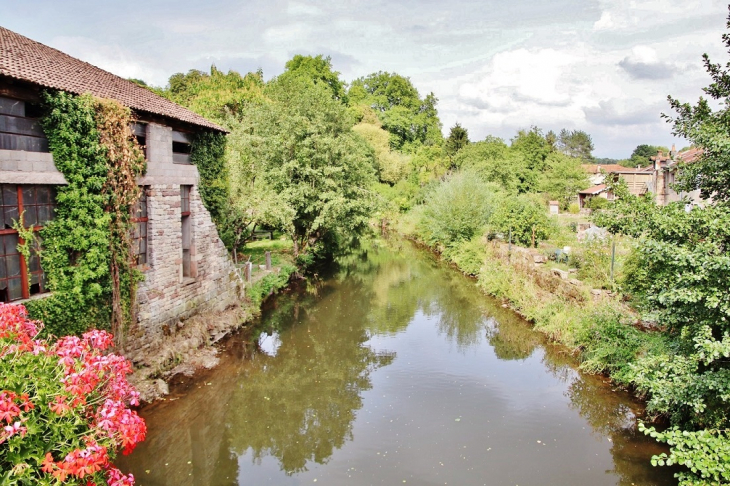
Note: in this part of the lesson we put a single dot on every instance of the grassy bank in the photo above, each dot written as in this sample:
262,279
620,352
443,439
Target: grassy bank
581,312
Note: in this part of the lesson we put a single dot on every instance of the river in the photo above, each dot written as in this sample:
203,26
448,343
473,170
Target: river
393,369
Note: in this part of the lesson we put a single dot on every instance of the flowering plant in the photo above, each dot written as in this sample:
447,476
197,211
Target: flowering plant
63,406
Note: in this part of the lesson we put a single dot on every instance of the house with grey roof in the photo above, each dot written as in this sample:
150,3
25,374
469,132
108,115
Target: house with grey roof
186,267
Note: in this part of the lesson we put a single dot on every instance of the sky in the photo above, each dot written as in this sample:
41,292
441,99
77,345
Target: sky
496,66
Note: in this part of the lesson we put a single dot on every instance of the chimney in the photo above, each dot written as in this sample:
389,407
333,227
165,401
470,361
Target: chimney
673,152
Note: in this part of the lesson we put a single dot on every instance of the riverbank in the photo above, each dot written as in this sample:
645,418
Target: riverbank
191,345
604,333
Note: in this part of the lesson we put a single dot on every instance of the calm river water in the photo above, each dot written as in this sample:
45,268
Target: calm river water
394,369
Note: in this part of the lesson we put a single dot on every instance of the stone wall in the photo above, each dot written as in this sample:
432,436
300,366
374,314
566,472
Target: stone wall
166,298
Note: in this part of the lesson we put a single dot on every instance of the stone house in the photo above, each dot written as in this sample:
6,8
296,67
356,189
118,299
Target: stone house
186,267
656,179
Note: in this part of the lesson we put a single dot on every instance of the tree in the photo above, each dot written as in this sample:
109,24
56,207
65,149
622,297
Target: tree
315,163
575,143
215,94
642,154
458,209
493,160
412,121
562,178
458,139
319,70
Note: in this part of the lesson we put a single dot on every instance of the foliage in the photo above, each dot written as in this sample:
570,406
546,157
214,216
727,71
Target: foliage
575,143
207,153
96,155
318,69
457,210
392,166
270,284
314,161
216,94
596,202
642,154
493,160
574,208
562,178
457,140
64,405
125,162
705,453
525,217
468,255
411,121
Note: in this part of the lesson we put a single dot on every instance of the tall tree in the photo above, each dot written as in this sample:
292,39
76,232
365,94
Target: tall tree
314,161
318,69
575,143
458,139
412,121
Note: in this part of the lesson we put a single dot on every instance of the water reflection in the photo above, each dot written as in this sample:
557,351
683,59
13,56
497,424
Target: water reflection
304,402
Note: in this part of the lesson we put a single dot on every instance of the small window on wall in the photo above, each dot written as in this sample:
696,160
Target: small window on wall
140,134
181,147
21,278
186,226
139,230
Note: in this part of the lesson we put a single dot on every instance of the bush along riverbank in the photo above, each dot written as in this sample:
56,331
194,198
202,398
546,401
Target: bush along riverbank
655,328
190,345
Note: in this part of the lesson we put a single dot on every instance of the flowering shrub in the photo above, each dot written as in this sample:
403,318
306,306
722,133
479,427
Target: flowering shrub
63,406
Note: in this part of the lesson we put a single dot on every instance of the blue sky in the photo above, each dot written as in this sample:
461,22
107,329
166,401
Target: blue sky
605,67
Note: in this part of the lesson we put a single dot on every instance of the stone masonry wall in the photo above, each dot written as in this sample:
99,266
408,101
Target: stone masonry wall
166,298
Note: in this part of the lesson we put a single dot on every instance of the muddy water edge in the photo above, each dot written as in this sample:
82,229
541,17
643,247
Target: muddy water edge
392,368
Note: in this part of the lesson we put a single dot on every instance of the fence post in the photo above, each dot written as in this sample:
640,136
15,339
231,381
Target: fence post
613,255
509,247
268,260
247,271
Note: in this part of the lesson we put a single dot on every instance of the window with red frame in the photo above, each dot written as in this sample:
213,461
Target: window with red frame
19,279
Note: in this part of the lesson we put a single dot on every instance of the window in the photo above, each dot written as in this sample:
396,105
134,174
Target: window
140,134
139,231
180,148
19,126
186,229
19,279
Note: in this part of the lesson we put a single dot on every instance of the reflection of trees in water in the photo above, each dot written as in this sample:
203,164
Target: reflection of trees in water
299,406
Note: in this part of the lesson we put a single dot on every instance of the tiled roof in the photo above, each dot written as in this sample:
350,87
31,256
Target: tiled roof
613,169
594,190
25,59
690,155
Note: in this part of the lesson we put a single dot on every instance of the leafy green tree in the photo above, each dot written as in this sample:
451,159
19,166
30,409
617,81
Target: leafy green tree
412,121
215,94
575,143
525,216
314,161
458,139
458,209
562,178
319,70
642,154
534,148
493,160
392,166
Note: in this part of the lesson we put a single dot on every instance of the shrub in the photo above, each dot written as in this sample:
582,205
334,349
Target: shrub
574,208
457,210
63,406
598,203
525,216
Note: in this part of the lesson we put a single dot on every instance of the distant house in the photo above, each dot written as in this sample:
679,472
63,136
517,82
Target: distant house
599,190
656,179
176,245
667,169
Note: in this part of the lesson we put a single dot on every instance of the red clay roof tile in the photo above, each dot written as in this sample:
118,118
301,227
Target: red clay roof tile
27,60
